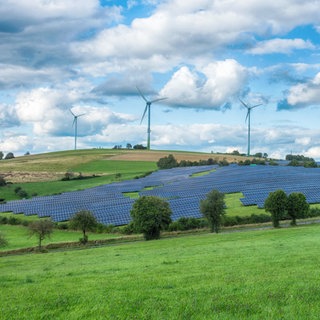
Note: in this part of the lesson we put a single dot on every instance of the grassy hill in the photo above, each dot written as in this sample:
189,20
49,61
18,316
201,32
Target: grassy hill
52,166
270,274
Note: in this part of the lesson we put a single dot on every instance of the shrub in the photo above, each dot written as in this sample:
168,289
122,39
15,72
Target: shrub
150,215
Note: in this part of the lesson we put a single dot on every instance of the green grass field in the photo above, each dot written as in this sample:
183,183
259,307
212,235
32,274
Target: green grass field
270,274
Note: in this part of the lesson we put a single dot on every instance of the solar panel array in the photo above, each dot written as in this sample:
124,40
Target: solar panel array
183,192
107,202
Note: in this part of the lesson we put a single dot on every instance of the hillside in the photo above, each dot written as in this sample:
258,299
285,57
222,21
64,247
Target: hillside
52,166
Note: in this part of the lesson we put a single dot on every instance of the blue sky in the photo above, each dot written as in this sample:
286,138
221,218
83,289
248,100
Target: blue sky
202,55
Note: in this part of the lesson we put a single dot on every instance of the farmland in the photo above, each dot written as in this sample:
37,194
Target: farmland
237,274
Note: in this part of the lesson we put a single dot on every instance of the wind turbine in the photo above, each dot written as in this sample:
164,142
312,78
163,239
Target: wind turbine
148,108
75,124
249,108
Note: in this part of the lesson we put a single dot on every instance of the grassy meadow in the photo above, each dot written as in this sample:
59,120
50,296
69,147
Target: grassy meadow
271,274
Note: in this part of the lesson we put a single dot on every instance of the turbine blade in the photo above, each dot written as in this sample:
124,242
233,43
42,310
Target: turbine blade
74,121
71,112
141,94
244,103
144,113
257,105
159,99
247,115
80,115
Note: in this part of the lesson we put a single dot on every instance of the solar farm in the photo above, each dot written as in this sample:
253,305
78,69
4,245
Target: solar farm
111,206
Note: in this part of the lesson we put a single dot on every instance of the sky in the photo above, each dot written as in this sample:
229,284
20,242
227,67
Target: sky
90,56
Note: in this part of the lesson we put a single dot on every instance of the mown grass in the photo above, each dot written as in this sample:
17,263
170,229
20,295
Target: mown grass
234,206
18,237
270,274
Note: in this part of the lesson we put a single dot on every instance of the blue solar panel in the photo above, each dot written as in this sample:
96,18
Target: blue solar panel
183,192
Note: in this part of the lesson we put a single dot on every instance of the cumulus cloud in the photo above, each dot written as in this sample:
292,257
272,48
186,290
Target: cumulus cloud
210,87
48,112
281,46
302,95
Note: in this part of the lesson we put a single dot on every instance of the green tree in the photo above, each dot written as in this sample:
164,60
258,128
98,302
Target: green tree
3,240
41,229
85,221
167,162
213,209
297,206
9,155
150,215
276,204
1,155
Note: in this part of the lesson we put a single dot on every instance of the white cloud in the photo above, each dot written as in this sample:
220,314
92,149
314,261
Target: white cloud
281,46
209,87
305,94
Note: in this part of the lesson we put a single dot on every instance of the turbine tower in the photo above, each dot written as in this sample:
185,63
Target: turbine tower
148,108
75,124
249,108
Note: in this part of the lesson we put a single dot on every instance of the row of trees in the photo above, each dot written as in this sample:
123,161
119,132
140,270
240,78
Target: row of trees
170,161
83,220
280,205
9,155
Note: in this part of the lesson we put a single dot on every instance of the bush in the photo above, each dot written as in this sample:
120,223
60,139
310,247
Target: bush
150,215
2,181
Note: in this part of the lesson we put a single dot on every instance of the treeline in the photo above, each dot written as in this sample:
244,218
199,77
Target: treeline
8,156
301,161
171,162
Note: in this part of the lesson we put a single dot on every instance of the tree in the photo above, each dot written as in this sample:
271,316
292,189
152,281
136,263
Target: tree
85,221
1,155
150,215
129,146
276,204
9,155
297,206
167,162
42,229
213,209
3,240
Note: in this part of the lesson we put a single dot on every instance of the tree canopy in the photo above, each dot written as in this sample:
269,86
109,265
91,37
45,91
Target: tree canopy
42,229
297,206
276,204
150,215
85,221
213,209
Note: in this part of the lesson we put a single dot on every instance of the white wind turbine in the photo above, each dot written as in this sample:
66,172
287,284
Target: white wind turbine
148,108
249,108
75,124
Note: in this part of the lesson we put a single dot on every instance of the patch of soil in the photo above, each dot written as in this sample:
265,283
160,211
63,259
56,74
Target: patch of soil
20,177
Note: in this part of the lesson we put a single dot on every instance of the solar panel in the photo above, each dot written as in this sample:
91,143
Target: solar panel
183,192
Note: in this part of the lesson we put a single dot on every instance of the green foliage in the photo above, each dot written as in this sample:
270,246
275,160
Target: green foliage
3,240
183,224
297,206
85,221
150,215
300,160
41,229
9,155
167,162
276,204
213,209
2,181
243,220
